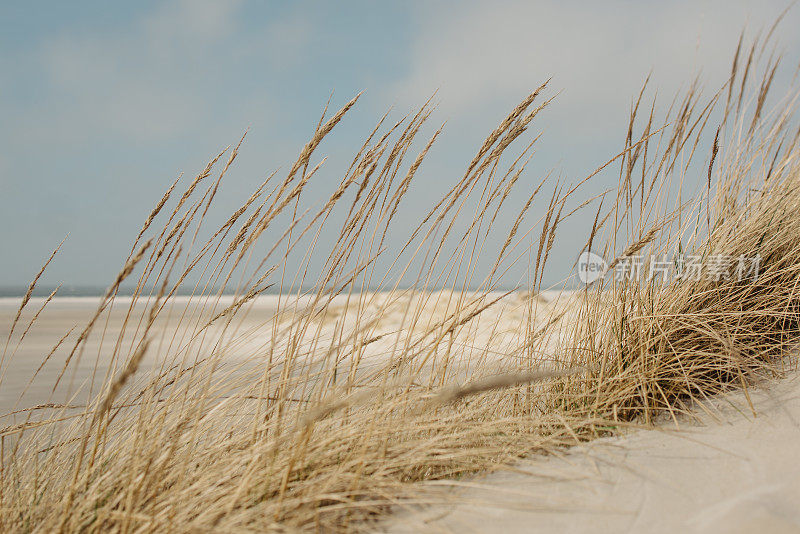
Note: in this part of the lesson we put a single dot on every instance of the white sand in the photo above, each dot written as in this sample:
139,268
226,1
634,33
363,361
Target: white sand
494,334
728,471
63,314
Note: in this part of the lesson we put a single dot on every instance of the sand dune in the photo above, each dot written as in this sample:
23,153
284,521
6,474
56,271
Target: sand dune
725,470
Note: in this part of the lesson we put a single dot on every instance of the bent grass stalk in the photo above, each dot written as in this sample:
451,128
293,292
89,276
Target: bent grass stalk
367,378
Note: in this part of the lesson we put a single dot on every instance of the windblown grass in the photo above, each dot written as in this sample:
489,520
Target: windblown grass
337,414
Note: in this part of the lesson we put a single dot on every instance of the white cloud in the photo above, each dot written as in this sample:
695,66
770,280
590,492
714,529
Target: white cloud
187,24
597,53
144,82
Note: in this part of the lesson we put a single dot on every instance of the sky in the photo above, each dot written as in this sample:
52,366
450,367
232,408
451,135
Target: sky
103,105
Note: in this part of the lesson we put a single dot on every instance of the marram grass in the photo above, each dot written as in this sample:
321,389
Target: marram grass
334,418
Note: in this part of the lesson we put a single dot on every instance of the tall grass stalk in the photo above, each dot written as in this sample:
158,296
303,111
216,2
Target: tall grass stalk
379,367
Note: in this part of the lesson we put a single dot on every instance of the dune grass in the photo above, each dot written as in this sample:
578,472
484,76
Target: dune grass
369,379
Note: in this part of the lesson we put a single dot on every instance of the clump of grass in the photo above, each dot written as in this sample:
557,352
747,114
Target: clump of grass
378,369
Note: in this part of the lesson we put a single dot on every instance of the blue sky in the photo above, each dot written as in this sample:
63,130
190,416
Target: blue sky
103,104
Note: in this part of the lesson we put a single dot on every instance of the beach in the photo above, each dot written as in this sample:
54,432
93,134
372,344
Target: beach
185,333
731,467
65,318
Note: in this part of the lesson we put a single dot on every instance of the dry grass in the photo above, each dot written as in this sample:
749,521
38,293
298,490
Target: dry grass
336,415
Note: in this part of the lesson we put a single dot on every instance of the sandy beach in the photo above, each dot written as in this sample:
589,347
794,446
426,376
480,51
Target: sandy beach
729,469
180,332
67,316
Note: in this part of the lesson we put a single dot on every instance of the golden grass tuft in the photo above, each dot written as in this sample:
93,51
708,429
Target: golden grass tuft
367,379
